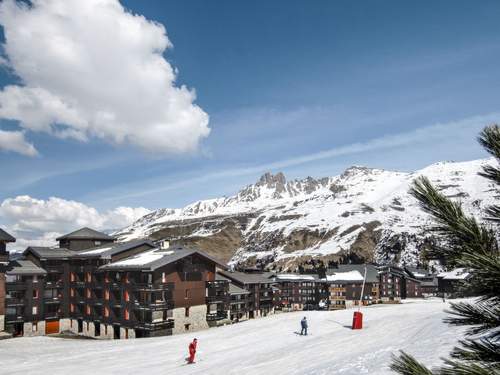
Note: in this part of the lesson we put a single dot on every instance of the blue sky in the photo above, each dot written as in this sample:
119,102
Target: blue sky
289,86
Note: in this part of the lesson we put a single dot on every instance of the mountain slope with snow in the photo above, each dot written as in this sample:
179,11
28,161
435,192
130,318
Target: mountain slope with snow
261,346
363,213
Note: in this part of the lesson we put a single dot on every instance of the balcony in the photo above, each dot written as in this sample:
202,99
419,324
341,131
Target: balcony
14,318
150,287
15,285
217,299
51,300
12,301
153,326
219,315
154,306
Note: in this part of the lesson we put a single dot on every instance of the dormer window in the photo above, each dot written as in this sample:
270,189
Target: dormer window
97,243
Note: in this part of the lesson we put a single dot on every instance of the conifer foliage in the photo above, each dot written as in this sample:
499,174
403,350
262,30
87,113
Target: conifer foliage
473,246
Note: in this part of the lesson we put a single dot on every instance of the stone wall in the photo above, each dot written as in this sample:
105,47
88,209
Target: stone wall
123,333
88,329
197,319
65,325
106,335
2,323
30,331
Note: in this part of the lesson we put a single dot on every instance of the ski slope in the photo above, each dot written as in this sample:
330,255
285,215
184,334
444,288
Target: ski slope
262,346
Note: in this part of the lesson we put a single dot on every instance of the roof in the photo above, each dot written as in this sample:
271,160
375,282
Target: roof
418,273
456,274
6,237
234,289
108,250
156,258
24,267
247,278
371,271
49,252
86,234
295,277
348,276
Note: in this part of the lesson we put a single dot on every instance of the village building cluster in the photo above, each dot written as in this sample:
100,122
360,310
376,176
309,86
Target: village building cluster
93,286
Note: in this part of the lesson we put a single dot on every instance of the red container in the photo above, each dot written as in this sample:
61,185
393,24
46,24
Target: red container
357,320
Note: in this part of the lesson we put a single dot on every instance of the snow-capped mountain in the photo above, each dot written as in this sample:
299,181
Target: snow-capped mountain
363,213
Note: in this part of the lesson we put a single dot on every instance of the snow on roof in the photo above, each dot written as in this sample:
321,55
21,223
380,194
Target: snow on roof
143,259
294,276
345,276
96,251
456,274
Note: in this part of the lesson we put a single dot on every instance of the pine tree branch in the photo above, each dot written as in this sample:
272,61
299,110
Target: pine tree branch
489,138
457,368
482,316
481,350
464,233
407,365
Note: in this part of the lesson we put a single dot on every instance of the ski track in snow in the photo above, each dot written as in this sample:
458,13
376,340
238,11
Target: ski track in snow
261,346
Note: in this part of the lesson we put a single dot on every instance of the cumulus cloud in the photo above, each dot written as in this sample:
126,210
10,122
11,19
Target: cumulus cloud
92,69
39,222
15,141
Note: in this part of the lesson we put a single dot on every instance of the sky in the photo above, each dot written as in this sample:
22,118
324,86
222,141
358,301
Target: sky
111,109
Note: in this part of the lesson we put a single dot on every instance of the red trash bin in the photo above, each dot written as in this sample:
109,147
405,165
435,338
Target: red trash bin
357,320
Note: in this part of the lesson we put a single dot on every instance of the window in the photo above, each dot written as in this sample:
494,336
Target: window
186,313
106,313
35,278
126,296
34,310
88,277
97,243
88,293
72,276
87,309
72,308
163,277
106,295
186,327
34,326
187,294
35,293
127,315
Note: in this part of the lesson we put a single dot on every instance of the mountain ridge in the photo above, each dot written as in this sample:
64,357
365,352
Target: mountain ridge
363,213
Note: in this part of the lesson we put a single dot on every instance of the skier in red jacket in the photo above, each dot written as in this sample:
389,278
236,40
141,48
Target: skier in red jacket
192,351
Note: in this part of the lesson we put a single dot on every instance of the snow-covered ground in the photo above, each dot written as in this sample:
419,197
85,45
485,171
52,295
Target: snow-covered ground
263,346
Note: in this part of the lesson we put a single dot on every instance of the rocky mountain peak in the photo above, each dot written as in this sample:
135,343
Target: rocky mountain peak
270,180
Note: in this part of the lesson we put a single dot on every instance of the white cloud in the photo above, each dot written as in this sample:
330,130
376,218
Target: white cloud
15,141
92,69
38,222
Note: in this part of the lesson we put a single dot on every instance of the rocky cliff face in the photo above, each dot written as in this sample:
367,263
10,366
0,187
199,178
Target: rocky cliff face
362,214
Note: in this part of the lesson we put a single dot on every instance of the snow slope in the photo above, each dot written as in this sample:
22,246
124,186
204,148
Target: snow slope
363,210
262,346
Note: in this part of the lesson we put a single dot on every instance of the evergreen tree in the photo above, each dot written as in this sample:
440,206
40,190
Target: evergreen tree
473,246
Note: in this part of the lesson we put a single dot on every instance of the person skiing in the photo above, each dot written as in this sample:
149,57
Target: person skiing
192,351
303,324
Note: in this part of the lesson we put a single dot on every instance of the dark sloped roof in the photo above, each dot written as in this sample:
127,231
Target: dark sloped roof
234,289
49,252
85,234
24,267
6,237
108,250
247,278
156,258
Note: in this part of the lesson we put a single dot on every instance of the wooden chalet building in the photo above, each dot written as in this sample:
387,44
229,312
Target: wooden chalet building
299,291
346,285
260,298
452,283
4,260
428,280
396,284
238,299
112,290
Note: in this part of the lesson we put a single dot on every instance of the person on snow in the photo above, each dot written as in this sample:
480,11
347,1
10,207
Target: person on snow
192,351
303,325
